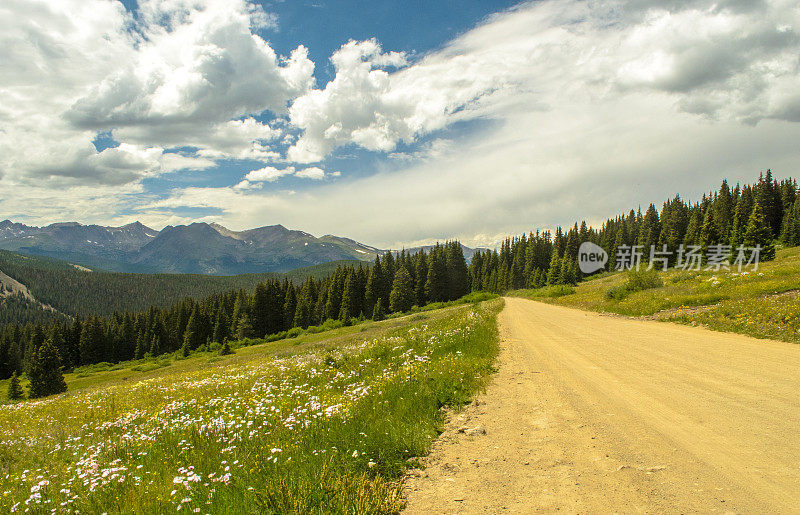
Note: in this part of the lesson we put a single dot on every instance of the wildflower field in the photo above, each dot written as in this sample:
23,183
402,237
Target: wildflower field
764,303
309,428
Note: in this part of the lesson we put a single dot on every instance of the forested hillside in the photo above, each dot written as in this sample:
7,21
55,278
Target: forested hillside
762,214
16,309
392,284
73,291
765,213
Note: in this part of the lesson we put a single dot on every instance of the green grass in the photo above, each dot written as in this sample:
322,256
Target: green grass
760,303
326,422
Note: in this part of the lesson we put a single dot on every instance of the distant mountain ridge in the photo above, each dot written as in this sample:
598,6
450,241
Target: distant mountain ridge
195,248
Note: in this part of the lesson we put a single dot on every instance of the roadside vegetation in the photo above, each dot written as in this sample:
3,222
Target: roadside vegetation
325,423
764,303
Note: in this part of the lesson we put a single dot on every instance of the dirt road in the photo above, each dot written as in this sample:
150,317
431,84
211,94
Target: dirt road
590,413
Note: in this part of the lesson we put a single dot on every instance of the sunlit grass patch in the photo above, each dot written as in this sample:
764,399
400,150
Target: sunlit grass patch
323,428
750,302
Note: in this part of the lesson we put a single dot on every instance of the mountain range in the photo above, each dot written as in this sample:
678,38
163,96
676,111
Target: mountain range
199,248
196,248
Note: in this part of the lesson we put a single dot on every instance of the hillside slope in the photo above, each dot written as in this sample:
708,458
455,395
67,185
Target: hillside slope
763,303
75,291
325,423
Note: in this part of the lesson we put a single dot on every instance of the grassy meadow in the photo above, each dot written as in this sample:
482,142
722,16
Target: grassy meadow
325,422
764,303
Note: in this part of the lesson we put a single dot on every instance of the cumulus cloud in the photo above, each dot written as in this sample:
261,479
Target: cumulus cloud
272,174
178,73
586,108
269,174
312,172
717,59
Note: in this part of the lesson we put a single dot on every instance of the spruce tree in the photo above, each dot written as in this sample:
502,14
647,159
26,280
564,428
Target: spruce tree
724,211
554,272
45,372
193,337
91,341
220,327
790,234
457,271
350,308
244,329
402,297
289,306
305,305
709,232
693,229
378,313
759,233
421,277
260,310
155,346
740,217
436,284
226,349
14,389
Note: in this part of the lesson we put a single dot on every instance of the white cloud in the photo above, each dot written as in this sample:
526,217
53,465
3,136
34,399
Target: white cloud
312,172
272,174
269,174
707,58
178,74
583,109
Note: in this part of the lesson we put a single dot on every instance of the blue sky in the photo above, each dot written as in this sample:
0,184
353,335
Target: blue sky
391,123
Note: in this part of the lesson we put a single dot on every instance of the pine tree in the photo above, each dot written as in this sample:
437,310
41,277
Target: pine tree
91,341
692,236
709,232
244,328
402,296
239,308
45,372
193,337
759,233
723,211
378,313
220,327
790,233
289,306
457,271
260,310
744,206
350,308
554,272
421,277
305,305
155,346
436,284
226,349
14,389
141,346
